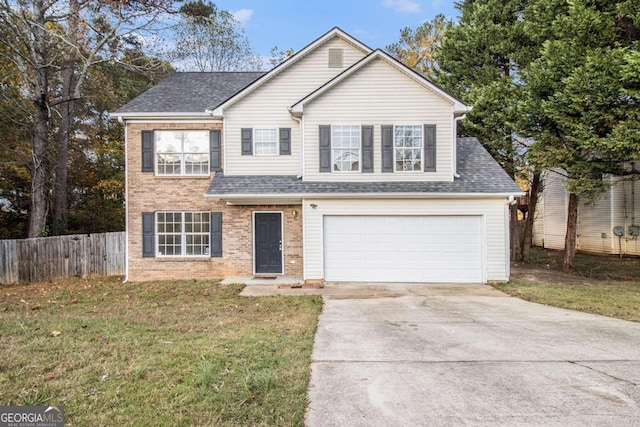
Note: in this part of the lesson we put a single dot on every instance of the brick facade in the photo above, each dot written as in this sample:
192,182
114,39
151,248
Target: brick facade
149,193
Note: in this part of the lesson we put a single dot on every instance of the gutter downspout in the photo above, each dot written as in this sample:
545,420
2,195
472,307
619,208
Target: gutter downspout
301,130
126,202
301,176
455,144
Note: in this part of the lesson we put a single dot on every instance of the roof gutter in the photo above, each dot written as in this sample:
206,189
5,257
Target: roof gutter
163,116
429,195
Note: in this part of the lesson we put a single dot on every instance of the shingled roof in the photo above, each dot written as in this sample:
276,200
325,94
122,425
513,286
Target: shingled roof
479,173
190,92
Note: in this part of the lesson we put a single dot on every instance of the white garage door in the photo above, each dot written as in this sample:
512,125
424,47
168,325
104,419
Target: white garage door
434,249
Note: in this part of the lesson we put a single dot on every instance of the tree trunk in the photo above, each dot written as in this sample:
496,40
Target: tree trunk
61,206
570,237
67,111
40,133
527,240
39,169
514,230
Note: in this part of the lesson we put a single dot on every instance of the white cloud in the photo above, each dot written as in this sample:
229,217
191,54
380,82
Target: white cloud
403,6
243,16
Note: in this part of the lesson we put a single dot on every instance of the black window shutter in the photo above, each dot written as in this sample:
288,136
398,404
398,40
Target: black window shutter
387,148
215,245
285,141
147,151
429,148
325,148
367,149
215,146
247,141
148,249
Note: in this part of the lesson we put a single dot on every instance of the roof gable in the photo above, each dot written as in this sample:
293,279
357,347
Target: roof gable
458,106
217,109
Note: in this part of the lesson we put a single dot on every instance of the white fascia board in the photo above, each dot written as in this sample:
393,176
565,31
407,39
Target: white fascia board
276,196
218,111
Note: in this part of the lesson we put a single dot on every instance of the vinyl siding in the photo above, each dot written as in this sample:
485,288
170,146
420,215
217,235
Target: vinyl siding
378,95
618,206
268,106
594,221
625,212
554,211
493,213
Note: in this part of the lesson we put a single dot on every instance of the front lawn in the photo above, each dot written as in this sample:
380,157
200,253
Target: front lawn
599,284
166,353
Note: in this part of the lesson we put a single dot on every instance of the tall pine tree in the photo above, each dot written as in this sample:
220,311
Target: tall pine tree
479,61
581,102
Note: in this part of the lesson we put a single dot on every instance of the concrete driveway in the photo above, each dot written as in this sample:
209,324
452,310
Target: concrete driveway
471,356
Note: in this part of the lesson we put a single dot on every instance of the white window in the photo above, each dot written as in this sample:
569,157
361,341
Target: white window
182,233
182,152
407,147
345,148
265,141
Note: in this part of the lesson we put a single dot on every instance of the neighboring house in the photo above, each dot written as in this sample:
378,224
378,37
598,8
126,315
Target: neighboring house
340,164
611,225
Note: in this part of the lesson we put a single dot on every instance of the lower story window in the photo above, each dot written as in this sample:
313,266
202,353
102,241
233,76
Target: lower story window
182,233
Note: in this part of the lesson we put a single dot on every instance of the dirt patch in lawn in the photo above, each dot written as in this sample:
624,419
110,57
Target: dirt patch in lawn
546,265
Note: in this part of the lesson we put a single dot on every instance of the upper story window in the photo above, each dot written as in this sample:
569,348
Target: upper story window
265,141
407,148
345,148
182,233
182,152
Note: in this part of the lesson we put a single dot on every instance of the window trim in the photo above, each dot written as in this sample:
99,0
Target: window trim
277,141
332,148
395,169
183,235
182,154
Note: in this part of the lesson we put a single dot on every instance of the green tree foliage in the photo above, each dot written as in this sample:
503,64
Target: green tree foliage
209,39
416,47
95,190
52,47
581,101
479,61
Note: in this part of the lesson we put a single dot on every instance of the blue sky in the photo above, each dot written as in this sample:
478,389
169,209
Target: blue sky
296,23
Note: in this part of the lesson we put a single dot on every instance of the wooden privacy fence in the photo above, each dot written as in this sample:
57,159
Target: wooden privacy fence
47,258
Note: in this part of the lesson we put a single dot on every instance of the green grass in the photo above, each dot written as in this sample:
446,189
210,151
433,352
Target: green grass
616,299
167,353
599,284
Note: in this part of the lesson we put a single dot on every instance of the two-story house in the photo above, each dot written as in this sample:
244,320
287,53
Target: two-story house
340,164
